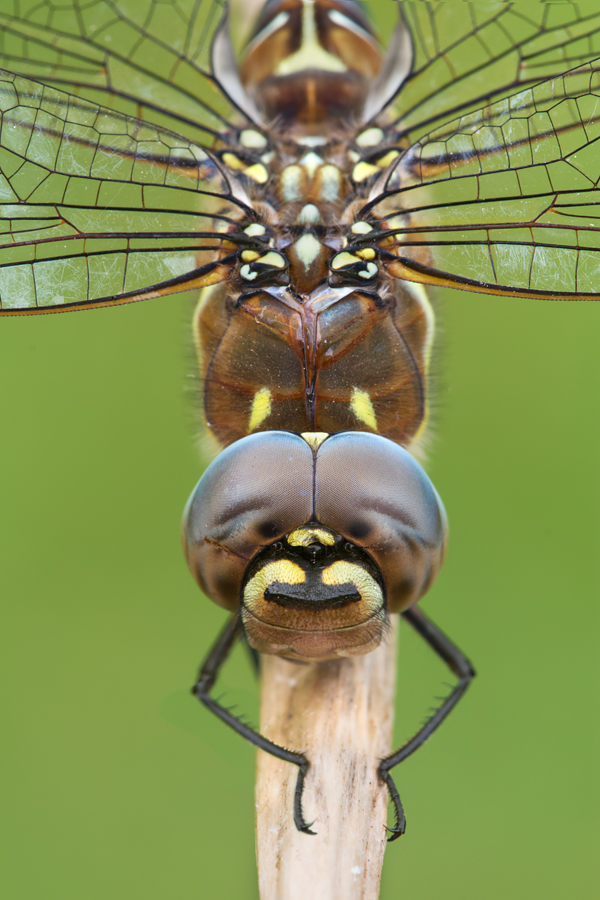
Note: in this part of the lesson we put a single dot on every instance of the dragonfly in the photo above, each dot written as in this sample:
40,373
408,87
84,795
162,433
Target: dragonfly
310,183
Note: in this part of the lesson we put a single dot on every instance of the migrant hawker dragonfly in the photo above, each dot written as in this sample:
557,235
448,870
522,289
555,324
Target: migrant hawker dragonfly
454,186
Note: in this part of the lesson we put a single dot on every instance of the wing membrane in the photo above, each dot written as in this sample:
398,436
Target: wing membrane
471,56
506,199
146,60
98,208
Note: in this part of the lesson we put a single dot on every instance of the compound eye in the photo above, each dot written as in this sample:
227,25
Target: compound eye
376,495
254,493
263,268
359,267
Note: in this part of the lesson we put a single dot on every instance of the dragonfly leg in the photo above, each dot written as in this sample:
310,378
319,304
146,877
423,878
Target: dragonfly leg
206,680
458,663
254,658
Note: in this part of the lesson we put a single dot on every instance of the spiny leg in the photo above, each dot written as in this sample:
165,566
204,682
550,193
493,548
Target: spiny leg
206,680
458,663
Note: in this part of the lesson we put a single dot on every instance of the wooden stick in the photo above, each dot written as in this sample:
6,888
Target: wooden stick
341,715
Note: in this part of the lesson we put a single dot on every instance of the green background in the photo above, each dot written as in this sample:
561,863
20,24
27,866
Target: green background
116,783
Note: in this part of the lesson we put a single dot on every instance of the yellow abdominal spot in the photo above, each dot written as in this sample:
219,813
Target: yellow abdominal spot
233,162
388,159
304,537
308,249
310,55
257,173
362,407
362,171
331,182
261,408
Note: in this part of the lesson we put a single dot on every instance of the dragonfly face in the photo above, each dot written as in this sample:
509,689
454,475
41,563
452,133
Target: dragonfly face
326,537
310,201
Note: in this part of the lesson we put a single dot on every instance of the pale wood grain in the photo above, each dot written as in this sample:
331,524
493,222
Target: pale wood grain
341,715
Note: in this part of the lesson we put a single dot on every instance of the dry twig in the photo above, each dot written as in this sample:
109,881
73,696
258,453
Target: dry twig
341,714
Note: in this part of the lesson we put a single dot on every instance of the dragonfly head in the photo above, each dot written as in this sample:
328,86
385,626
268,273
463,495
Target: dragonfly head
314,539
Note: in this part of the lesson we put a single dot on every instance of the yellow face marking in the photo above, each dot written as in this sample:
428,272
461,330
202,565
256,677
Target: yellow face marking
343,572
331,182
340,260
257,173
314,438
362,407
308,249
310,54
261,408
367,253
250,255
370,138
253,139
291,183
281,570
304,537
362,171
389,158
361,228
233,162
309,215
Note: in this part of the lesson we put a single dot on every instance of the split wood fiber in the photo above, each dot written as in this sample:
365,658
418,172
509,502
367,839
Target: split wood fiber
341,715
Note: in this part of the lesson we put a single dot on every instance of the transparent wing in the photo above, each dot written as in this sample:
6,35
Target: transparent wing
503,200
468,55
146,58
97,208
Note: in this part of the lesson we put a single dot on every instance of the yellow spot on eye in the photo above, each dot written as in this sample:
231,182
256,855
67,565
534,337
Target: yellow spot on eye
281,570
255,230
367,253
361,228
362,407
370,138
261,408
314,438
292,179
257,173
233,162
362,171
389,158
343,572
254,139
331,182
304,537
273,259
340,260
308,249
250,255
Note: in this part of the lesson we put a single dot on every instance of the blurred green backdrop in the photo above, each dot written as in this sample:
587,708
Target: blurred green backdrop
116,783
